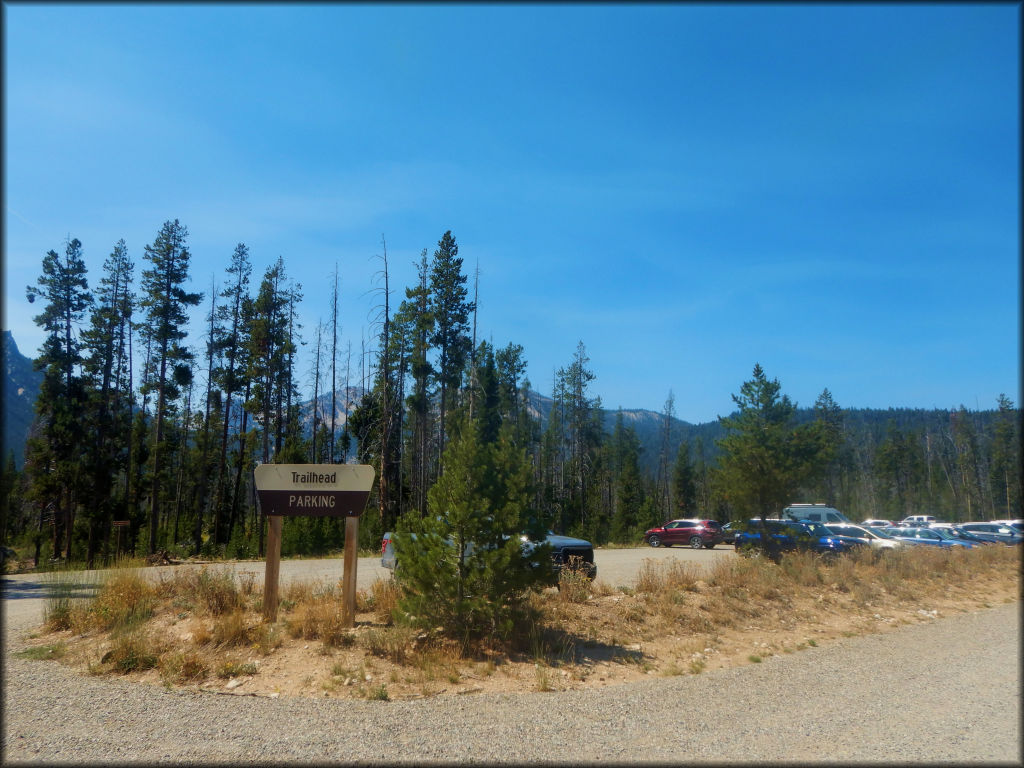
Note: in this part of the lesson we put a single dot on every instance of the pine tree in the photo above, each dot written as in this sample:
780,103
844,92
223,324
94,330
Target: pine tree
627,484
584,434
231,344
450,311
267,347
166,303
463,567
1006,459
829,417
898,467
965,443
53,455
109,415
414,313
664,483
212,413
684,483
765,457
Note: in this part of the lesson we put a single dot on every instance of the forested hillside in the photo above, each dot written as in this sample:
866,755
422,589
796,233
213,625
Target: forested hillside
142,421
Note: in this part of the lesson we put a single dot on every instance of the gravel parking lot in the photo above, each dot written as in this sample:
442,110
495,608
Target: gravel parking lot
947,690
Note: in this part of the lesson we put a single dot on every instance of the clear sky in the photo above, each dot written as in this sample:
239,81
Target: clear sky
832,191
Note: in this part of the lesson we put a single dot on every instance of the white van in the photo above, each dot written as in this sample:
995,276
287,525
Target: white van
816,513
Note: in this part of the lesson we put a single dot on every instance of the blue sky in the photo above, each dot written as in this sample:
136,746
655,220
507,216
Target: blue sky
832,191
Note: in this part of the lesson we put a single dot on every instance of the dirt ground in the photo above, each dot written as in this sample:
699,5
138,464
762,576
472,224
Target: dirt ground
609,638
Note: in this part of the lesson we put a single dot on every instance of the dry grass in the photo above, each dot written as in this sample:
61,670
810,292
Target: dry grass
203,628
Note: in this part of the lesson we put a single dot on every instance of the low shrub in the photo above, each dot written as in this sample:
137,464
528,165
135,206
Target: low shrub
218,592
235,629
183,667
132,652
394,643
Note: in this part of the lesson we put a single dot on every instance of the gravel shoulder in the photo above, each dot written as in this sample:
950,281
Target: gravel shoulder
943,691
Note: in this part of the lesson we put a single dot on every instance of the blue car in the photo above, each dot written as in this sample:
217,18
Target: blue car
791,535
935,537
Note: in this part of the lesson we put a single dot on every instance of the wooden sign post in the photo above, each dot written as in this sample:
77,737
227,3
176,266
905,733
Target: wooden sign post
314,490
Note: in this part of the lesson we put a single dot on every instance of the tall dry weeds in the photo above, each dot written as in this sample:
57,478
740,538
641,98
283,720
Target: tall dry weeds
123,602
385,594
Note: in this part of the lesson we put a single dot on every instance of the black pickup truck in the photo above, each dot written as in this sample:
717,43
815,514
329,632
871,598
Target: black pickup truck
565,551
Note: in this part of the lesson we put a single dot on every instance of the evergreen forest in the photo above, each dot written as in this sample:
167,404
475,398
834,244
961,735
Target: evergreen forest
145,438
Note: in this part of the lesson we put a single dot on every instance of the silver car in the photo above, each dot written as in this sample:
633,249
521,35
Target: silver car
873,537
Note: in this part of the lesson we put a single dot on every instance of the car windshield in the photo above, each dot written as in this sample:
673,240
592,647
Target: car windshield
960,533
881,533
942,533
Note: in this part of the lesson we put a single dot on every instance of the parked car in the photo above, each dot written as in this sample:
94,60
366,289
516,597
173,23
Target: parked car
565,551
816,513
697,534
729,533
793,535
873,539
974,538
994,531
935,537
917,521
1017,525
876,523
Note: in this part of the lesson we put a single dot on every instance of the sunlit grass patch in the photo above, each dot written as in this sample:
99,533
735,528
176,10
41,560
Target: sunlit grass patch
42,652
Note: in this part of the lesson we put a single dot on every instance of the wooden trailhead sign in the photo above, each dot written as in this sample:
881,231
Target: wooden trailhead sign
315,490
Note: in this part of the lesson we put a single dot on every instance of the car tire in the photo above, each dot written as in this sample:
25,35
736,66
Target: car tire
654,541
696,542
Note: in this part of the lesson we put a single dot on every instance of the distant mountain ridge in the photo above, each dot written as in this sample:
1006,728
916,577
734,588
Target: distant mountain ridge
649,427
19,391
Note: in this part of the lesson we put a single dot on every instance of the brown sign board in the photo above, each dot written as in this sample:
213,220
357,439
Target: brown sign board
314,490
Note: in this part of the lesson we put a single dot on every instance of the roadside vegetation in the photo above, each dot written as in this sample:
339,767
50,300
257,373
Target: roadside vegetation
202,628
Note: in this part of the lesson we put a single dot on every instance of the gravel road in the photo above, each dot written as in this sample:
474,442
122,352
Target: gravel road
943,691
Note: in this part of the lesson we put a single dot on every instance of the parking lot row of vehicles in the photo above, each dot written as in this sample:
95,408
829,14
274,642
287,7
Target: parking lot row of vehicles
829,538
833,537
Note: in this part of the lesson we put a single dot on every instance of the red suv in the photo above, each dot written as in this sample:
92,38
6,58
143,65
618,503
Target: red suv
695,533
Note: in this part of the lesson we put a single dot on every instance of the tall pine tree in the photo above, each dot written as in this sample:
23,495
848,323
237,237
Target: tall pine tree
166,303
